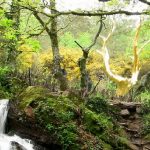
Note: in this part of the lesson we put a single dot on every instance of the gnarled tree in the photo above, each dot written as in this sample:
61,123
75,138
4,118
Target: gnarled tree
124,84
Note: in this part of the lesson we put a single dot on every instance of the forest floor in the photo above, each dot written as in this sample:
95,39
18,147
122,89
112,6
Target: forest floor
132,122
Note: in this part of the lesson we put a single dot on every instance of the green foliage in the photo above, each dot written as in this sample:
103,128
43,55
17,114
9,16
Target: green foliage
67,134
9,86
3,71
98,105
84,39
67,40
4,22
31,94
57,116
6,30
113,2
4,82
145,54
144,97
33,44
4,94
111,86
146,121
35,3
97,123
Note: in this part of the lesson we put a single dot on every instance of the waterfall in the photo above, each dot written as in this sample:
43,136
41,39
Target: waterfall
3,114
6,142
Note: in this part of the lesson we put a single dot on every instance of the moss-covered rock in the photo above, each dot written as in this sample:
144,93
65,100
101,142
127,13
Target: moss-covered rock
70,122
32,94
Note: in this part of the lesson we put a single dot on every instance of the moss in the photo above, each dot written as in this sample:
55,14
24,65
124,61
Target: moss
100,119
100,105
97,123
70,122
145,115
107,146
31,94
146,124
4,94
57,116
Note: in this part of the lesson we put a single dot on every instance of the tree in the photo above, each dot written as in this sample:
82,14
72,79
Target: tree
52,32
124,84
85,78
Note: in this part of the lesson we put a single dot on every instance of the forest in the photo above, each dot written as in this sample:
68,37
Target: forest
74,74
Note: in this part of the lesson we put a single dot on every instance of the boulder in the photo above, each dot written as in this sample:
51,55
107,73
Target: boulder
27,128
124,112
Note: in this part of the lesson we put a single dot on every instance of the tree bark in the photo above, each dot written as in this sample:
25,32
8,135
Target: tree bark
57,71
86,83
52,32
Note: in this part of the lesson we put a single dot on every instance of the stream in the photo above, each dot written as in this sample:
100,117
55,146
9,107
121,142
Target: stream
10,142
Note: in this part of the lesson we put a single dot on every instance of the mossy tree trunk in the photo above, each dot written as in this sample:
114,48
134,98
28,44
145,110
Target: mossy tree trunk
57,70
52,32
86,83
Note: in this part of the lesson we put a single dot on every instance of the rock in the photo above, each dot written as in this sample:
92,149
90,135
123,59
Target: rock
124,112
138,110
29,111
126,105
28,129
16,146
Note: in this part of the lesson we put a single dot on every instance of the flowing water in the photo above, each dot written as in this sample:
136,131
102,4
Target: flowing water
7,142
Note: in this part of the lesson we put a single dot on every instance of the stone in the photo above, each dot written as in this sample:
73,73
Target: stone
124,112
29,111
138,110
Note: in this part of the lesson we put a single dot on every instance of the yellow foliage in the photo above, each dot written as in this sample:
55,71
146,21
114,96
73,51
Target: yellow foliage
25,59
69,62
24,48
95,66
123,87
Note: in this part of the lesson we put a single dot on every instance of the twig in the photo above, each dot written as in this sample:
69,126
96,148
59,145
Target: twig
95,38
97,35
95,87
145,1
79,45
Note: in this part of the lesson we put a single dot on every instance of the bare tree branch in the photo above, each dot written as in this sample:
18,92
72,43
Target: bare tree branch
28,21
79,45
97,35
41,22
145,1
42,30
101,13
95,38
62,28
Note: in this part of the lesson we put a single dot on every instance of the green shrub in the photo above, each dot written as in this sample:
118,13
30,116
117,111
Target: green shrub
144,98
97,123
57,116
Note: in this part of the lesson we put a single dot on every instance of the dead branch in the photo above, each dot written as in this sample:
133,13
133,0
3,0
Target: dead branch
145,1
123,84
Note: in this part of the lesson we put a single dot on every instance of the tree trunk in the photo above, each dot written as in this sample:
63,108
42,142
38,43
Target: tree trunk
58,73
86,83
